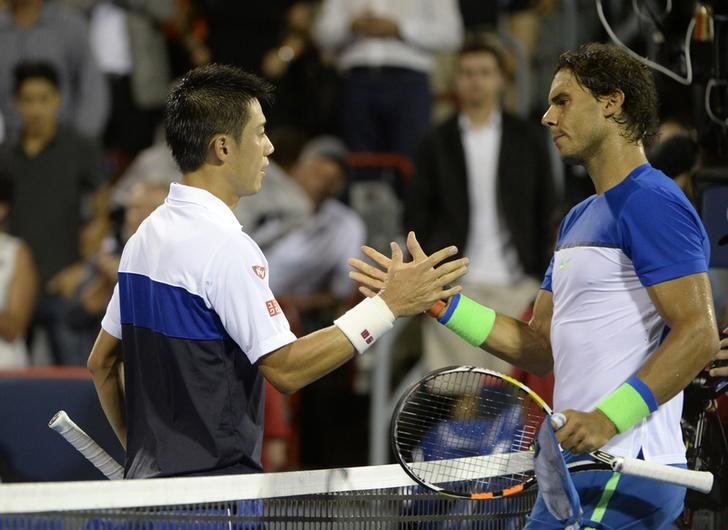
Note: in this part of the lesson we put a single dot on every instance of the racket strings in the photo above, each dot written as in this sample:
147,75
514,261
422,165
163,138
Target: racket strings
467,431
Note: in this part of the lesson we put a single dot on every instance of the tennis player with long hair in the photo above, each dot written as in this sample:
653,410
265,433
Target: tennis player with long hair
625,316
193,327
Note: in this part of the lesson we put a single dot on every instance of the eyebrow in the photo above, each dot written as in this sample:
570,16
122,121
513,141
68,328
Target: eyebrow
558,96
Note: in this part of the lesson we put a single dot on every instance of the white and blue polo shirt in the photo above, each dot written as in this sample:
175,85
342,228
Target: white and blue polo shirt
610,247
194,312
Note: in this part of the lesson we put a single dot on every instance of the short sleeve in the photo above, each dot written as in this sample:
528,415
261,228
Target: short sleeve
111,323
236,286
546,283
663,237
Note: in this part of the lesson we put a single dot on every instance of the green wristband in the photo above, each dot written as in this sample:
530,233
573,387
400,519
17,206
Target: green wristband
468,319
629,404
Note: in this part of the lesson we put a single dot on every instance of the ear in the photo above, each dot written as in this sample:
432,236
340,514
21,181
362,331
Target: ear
612,103
220,147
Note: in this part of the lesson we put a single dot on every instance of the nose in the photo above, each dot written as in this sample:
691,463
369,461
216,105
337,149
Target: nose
269,146
549,119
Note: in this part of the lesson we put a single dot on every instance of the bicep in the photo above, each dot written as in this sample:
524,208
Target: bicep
543,310
684,300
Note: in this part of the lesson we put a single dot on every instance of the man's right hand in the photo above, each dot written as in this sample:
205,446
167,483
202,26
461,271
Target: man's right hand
412,287
721,371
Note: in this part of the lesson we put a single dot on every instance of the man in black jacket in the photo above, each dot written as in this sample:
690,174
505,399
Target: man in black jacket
484,182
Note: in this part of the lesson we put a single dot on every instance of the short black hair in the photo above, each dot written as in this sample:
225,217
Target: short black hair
34,70
209,100
603,69
485,43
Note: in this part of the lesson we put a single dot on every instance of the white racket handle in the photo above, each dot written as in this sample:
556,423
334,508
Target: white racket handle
698,480
74,435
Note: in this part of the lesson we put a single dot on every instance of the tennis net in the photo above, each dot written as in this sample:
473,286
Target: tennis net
381,497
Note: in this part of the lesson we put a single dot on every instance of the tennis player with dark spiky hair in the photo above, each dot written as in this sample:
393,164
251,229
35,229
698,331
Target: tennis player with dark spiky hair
192,327
625,315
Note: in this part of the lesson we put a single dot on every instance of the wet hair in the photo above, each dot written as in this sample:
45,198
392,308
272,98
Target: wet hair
604,69
485,43
34,70
209,100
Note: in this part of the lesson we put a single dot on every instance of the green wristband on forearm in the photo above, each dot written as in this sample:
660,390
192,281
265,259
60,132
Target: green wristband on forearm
468,319
632,402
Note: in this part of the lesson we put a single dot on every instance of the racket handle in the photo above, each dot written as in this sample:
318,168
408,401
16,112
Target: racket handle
74,435
697,480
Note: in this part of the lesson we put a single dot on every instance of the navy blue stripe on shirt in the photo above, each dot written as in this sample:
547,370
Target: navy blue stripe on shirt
169,310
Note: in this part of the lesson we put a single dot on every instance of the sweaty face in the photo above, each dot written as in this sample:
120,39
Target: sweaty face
37,102
478,79
249,155
574,118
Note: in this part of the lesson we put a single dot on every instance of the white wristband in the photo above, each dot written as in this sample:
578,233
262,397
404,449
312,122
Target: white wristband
366,322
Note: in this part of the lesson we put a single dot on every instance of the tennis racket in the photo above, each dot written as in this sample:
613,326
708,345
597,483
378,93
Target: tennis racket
85,445
468,432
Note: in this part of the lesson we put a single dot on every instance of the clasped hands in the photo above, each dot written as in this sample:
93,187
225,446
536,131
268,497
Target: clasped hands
409,287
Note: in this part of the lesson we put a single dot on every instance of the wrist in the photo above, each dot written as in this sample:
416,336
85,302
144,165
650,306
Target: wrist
629,404
468,319
366,322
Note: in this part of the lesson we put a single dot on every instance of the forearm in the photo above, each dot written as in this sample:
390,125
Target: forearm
307,359
109,383
525,345
685,351
518,343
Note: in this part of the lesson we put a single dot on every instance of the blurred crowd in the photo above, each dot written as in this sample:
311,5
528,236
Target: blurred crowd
390,115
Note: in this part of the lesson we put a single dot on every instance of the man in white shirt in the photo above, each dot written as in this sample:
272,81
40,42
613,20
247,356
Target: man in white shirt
483,181
193,327
385,49
625,315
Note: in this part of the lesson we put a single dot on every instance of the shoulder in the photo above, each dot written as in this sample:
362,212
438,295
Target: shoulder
346,218
650,193
449,126
235,246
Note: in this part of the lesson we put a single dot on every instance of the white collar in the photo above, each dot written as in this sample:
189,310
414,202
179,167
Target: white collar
191,194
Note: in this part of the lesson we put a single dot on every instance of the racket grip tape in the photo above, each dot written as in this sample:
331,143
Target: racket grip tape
64,425
698,480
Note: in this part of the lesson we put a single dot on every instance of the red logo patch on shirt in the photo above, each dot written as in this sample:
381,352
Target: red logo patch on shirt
259,271
273,307
367,336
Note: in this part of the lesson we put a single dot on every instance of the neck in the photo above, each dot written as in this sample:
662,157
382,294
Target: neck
615,160
480,114
33,141
206,179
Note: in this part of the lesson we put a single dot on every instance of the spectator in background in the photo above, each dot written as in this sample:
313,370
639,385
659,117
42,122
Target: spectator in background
308,264
239,34
307,87
153,165
18,287
34,30
483,181
53,169
385,50
675,153
85,288
129,46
